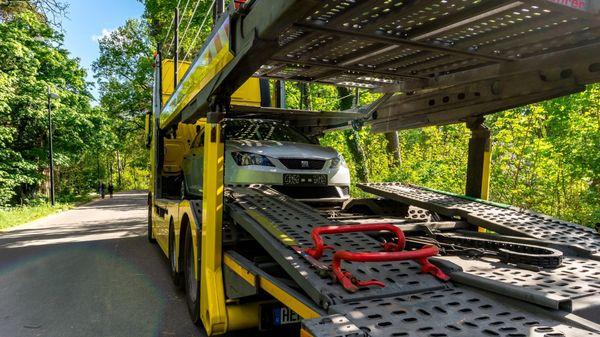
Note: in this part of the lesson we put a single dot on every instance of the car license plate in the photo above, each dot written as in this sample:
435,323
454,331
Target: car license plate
284,315
305,179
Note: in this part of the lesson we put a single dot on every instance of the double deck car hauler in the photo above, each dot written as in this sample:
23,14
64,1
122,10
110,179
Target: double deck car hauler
240,252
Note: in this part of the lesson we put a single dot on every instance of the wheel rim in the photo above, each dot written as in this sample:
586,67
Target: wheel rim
192,289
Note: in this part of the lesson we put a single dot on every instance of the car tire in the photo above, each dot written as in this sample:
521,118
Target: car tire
192,286
177,276
150,232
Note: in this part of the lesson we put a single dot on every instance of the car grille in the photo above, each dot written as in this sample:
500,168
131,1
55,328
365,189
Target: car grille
303,164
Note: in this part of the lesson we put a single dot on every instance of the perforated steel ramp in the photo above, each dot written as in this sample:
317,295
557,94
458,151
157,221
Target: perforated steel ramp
509,221
279,223
453,312
376,43
449,59
577,280
411,304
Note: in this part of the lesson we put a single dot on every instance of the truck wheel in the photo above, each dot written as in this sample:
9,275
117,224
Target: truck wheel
150,232
177,276
192,286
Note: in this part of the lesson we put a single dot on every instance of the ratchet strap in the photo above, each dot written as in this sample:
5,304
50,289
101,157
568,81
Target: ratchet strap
392,252
505,251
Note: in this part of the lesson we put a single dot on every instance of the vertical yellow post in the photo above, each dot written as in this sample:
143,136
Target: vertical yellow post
479,162
213,311
487,166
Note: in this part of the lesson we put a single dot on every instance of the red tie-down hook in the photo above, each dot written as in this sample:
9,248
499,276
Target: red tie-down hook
320,247
239,3
393,253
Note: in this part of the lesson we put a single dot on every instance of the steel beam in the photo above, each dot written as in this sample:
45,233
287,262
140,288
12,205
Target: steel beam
480,97
347,68
394,41
462,18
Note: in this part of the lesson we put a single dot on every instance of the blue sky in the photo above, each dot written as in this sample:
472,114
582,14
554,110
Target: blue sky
90,19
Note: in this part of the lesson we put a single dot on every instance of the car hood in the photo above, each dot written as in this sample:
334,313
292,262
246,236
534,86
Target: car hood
277,149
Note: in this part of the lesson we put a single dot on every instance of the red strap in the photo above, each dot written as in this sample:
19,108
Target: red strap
238,3
393,252
351,283
320,247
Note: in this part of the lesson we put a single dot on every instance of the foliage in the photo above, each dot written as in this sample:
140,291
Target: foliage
124,73
195,23
544,157
49,11
34,63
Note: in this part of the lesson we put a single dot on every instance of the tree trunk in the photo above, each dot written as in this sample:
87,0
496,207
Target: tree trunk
305,102
118,170
135,182
393,148
352,137
110,169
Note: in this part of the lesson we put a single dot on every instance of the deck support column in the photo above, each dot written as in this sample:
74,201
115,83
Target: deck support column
479,162
213,309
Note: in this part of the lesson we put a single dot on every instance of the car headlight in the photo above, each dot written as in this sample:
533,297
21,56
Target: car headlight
247,158
337,162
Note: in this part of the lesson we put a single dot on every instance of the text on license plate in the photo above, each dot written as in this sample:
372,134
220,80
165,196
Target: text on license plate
282,316
305,179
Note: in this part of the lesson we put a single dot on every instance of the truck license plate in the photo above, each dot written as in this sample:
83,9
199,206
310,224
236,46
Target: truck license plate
284,315
277,316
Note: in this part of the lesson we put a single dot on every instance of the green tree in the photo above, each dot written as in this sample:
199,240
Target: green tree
124,73
33,61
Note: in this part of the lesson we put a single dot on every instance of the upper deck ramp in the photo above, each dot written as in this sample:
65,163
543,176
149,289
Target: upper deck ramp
449,59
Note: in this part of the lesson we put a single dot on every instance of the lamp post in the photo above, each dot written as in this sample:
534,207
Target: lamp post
51,96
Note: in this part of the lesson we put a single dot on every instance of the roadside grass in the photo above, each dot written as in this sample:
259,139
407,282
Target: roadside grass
14,216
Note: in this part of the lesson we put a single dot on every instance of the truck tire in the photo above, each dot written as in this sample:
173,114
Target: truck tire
177,276
192,286
150,232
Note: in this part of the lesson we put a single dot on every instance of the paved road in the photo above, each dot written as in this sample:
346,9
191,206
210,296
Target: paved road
89,272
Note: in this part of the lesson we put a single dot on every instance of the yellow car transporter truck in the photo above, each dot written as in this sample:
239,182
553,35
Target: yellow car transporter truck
409,261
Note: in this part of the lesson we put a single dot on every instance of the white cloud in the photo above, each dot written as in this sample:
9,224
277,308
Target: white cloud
105,32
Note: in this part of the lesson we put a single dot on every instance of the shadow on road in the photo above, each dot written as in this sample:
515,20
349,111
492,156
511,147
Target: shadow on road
89,272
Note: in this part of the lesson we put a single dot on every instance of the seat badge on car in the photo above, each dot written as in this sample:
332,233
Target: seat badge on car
304,164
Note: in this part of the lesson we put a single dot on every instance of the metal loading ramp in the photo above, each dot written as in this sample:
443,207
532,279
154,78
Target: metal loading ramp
573,287
498,218
281,224
448,59
452,312
411,304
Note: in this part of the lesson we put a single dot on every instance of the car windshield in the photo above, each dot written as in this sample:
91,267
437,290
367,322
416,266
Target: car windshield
244,129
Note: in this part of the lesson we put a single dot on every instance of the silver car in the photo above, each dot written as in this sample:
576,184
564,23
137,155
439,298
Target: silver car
273,153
